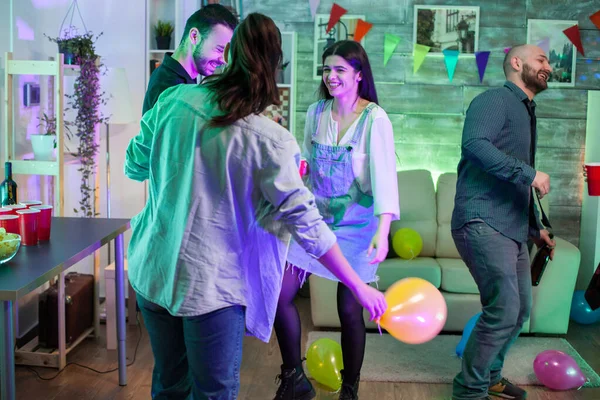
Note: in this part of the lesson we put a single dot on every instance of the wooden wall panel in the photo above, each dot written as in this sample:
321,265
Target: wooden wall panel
427,110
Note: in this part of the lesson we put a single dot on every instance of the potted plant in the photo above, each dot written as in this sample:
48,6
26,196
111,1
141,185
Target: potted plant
163,31
44,143
85,100
73,44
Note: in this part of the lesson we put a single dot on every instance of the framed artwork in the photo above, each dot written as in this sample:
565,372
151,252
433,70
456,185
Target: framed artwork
562,55
343,30
447,28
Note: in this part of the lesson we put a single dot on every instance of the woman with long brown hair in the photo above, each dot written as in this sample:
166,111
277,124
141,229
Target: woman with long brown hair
349,146
207,253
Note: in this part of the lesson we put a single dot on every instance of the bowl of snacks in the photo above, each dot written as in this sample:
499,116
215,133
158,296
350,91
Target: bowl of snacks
9,245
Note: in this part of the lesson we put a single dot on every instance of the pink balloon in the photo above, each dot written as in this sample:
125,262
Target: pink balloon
557,370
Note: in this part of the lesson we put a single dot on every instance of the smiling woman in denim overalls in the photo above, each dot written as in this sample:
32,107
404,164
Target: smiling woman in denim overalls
349,145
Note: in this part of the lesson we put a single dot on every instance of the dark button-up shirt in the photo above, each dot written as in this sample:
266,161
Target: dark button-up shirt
169,73
495,171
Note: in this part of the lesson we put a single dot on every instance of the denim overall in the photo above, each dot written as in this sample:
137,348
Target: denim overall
345,208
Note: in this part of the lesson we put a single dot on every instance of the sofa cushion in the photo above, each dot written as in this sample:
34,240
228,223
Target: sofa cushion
417,208
456,277
446,189
392,270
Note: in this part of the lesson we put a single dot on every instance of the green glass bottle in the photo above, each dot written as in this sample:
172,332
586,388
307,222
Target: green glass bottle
8,188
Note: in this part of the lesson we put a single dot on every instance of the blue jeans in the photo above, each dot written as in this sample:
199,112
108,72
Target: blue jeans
501,269
195,358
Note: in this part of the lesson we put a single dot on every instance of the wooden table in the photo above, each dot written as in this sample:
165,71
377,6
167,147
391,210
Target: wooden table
71,240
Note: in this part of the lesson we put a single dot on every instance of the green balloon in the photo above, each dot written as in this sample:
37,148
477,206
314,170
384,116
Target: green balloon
407,243
324,362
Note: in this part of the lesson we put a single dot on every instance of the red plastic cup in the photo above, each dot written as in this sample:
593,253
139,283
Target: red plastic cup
5,211
15,207
44,221
593,178
10,222
303,168
28,226
29,203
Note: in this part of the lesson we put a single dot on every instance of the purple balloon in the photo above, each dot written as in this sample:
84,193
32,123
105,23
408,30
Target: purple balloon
557,370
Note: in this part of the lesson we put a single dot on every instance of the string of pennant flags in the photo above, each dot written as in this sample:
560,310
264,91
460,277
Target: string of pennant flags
420,51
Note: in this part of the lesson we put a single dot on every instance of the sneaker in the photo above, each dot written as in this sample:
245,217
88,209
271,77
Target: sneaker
349,390
294,385
507,390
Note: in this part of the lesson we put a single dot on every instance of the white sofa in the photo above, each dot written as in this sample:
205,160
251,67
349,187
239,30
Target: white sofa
429,212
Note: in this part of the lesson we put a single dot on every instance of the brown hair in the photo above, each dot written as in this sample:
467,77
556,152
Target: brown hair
248,85
356,56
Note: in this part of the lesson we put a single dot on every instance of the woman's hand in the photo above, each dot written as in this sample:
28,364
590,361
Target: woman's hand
380,244
372,300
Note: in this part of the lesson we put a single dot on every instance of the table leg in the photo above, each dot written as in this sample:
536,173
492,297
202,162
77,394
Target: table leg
62,326
120,303
7,361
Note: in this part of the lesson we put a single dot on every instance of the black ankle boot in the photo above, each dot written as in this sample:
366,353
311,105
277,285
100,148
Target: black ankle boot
294,385
349,390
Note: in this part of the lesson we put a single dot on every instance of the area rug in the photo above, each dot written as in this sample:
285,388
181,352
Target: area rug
388,360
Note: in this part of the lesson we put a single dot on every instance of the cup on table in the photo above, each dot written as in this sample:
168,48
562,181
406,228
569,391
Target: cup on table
5,211
10,222
15,207
44,221
28,226
593,178
29,203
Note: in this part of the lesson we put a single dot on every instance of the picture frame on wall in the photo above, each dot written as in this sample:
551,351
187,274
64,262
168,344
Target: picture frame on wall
235,6
562,55
343,30
447,28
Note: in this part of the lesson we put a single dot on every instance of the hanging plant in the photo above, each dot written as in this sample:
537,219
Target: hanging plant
85,100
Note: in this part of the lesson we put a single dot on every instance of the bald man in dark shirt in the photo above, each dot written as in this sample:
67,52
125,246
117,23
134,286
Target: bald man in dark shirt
494,215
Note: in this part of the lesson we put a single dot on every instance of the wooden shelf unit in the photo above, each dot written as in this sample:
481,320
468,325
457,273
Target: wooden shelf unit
57,69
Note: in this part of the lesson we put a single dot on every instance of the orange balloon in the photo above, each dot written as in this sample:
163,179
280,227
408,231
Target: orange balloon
416,311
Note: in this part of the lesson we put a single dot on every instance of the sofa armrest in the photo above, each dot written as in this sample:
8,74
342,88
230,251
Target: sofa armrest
552,297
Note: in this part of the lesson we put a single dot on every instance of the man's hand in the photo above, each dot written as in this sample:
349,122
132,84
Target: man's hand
545,239
584,173
541,183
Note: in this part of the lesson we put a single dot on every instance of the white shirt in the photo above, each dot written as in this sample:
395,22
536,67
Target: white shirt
373,159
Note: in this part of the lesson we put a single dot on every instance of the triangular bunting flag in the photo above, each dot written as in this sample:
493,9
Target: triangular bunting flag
595,18
362,28
314,4
389,45
575,37
544,44
451,59
481,57
507,49
419,53
334,16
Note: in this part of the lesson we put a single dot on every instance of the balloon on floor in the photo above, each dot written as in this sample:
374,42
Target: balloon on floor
557,370
324,362
407,243
460,348
416,311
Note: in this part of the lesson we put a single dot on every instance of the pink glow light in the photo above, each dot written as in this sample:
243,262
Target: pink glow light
24,31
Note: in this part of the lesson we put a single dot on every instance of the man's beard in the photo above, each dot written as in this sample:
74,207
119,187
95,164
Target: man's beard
532,79
200,62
